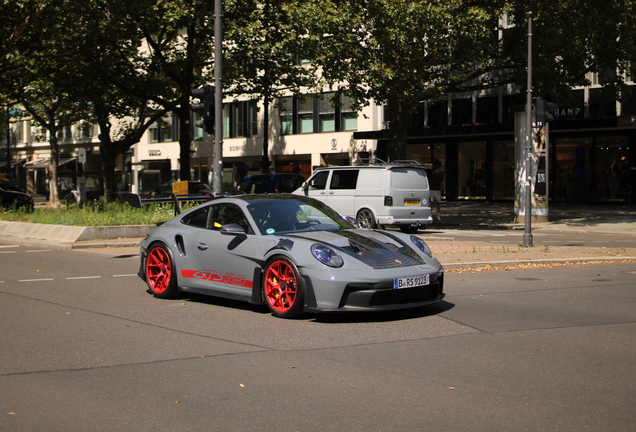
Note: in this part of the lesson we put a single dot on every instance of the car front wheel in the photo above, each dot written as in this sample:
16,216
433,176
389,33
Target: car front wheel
284,288
160,272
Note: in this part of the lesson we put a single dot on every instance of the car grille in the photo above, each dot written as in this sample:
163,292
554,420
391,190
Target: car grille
402,296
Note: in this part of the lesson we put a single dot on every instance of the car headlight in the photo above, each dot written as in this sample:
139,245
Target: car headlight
421,245
326,255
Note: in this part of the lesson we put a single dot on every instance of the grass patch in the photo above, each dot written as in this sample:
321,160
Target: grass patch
95,214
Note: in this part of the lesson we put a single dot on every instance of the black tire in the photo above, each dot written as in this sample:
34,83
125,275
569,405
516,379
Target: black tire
160,272
408,229
365,219
283,288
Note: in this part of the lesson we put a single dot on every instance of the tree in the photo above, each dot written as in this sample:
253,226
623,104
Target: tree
43,78
176,56
400,52
266,48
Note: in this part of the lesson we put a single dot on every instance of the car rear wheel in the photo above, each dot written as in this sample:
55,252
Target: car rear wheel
284,288
160,272
365,219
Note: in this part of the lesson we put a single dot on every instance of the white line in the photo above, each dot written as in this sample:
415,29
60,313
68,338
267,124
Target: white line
39,250
124,275
9,246
35,280
83,277
5,252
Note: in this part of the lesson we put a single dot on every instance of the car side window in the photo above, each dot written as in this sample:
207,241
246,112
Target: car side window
198,218
344,179
223,214
319,181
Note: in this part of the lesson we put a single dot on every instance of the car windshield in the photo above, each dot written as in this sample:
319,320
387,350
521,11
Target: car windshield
287,216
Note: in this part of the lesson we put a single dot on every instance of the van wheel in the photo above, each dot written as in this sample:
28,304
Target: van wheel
408,229
365,219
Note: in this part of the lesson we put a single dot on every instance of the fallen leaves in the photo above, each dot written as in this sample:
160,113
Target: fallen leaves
488,267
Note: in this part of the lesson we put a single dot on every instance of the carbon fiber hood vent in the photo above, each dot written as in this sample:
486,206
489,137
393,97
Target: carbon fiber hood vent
374,252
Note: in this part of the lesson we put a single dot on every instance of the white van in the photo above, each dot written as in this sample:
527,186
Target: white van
375,193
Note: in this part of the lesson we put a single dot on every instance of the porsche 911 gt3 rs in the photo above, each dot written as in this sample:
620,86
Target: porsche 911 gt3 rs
291,253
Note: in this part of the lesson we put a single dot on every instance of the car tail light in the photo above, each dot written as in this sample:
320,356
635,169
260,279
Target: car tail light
388,201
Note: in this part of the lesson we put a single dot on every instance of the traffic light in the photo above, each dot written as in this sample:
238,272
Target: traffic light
205,108
545,111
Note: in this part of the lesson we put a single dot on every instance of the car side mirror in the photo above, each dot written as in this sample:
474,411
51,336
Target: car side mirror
232,229
306,188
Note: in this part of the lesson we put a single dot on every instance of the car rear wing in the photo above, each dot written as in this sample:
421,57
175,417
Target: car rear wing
137,201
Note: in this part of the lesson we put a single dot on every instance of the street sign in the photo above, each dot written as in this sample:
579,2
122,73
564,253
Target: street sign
81,155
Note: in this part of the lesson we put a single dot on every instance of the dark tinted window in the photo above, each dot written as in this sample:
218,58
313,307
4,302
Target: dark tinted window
198,218
319,181
344,179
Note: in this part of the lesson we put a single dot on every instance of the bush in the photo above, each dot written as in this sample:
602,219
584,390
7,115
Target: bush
94,214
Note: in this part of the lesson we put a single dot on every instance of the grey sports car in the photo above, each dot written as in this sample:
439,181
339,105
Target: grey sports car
291,253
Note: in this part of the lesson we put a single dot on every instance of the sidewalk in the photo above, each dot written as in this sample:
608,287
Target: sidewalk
613,219
604,218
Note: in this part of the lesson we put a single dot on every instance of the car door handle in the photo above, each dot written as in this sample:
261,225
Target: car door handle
202,246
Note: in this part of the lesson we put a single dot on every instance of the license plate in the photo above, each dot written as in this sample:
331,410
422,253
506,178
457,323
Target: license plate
411,281
411,202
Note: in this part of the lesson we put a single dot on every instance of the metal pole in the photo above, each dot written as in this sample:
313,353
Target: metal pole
527,236
218,97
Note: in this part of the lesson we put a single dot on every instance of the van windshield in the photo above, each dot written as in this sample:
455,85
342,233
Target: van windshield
408,178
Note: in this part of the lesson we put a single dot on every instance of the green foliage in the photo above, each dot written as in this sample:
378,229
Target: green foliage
95,214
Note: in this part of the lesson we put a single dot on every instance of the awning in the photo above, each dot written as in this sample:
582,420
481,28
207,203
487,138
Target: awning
13,163
45,163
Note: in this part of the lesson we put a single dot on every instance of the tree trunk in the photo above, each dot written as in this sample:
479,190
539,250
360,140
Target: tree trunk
265,162
398,130
185,138
54,187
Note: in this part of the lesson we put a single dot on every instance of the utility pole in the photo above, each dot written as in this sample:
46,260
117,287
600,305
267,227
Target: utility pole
527,236
217,185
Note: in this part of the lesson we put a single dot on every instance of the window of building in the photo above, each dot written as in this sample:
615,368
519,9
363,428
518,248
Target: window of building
285,107
327,113
306,115
349,115
316,114
240,119
165,131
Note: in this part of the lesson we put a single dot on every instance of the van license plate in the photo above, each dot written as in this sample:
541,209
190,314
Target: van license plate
411,202
411,281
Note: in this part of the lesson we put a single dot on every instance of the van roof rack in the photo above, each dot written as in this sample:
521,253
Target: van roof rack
376,161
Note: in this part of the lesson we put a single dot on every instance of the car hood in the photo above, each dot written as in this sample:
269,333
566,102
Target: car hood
378,249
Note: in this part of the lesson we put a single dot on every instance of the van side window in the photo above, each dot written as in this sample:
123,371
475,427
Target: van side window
319,181
344,179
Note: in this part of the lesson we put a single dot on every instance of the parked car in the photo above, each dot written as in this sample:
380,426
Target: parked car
14,199
194,188
270,183
375,194
10,186
291,253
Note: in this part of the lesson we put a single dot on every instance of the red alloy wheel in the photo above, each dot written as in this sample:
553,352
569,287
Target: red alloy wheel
281,286
158,270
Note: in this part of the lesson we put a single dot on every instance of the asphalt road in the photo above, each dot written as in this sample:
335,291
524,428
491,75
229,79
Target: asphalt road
84,347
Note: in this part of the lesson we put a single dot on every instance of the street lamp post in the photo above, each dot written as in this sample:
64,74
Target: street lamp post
527,236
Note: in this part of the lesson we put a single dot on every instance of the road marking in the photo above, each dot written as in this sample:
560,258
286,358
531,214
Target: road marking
39,250
5,252
9,246
83,277
35,280
124,275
